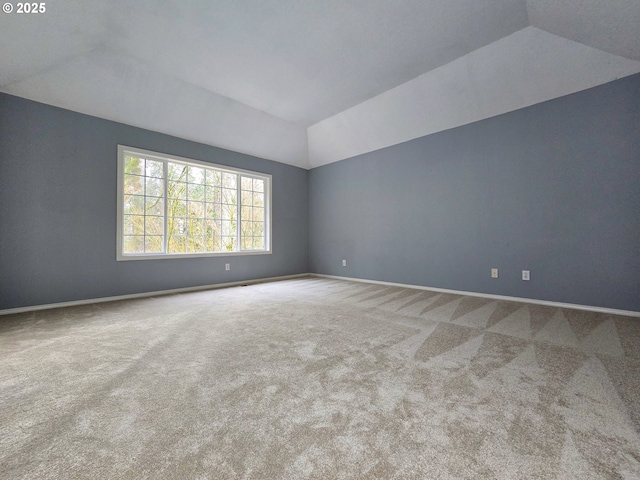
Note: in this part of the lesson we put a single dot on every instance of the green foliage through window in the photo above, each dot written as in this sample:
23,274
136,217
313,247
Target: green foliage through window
177,207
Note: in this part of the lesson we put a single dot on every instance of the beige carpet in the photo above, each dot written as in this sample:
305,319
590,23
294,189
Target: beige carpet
323,379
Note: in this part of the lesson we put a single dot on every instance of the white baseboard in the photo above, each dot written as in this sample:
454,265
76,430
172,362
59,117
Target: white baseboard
589,308
149,294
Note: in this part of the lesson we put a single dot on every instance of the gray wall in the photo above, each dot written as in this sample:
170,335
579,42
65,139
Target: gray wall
58,211
553,188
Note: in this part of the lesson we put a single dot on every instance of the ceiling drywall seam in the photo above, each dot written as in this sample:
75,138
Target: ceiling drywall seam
527,67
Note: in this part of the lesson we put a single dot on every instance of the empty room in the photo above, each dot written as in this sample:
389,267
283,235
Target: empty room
286,239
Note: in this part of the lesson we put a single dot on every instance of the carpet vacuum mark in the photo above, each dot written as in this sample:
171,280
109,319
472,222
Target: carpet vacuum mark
319,379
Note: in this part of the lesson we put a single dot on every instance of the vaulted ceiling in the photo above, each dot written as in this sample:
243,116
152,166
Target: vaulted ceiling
311,82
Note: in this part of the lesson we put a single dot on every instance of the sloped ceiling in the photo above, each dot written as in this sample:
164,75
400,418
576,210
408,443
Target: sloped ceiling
308,83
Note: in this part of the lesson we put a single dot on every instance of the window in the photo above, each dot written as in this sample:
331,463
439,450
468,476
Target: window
175,207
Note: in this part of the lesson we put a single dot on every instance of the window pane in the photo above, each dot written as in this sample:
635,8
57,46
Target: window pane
229,196
155,187
196,175
246,213
133,225
154,169
133,204
212,244
246,183
246,198
195,226
246,243
212,227
229,244
258,214
176,226
213,210
133,185
247,229
258,185
154,206
154,225
229,180
195,192
177,244
133,244
258,243
177,172
258,229
153,244
228,228
177,208
228,212
195,244
213,194
195,209
258,199
133,165
176,189
214,177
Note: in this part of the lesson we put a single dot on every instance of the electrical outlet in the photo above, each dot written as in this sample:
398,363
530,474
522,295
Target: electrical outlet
525,275
344,263
494,273
227,266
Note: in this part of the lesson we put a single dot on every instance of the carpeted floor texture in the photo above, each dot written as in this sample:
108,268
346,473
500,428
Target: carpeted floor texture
319,379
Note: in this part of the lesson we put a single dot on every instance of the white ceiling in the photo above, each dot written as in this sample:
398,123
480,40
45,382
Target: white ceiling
310,82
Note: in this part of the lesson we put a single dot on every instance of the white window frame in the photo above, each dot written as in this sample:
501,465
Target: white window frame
124,150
